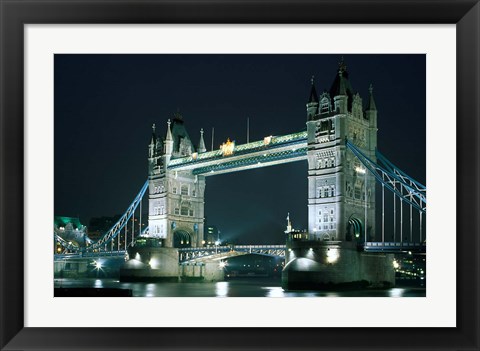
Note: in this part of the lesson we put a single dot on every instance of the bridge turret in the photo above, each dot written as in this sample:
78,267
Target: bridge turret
201,144
168,144
151,145
341,90
371,109
312,104
153,152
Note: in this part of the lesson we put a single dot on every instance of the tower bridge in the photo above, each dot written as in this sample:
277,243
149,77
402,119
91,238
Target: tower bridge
344,167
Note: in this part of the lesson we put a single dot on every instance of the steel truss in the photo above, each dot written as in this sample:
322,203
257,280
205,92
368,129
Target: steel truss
113,232
405,187
194,253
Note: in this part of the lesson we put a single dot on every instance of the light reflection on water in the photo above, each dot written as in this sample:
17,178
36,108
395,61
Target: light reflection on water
232,288
274,291
221,289
396,292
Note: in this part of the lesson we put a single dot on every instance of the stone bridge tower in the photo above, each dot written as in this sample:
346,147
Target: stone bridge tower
337,182
176,198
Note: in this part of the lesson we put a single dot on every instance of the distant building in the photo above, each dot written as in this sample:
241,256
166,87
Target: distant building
71,231
211,235
294,234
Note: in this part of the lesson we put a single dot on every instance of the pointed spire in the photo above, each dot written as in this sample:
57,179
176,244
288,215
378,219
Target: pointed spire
169,132
289,224
168,143
341,84
371,106
313,92
341,88
154,136
342,67
177,116
201,144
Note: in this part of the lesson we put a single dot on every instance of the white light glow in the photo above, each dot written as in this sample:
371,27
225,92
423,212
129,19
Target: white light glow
153,263
332,255
360,170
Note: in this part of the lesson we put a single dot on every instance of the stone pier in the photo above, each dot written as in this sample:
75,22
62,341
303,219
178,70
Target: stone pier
318,265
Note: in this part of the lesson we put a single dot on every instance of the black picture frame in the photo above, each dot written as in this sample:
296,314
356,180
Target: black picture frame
15,13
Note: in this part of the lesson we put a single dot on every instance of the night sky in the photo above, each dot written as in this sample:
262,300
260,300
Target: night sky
105,106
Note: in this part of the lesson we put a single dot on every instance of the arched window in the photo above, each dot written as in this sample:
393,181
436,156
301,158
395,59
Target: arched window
325,105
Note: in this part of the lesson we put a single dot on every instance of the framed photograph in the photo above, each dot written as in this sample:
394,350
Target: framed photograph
122,116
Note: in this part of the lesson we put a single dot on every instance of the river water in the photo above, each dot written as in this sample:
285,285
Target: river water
252,287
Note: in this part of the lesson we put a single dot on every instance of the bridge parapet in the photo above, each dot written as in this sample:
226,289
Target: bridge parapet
392,247
222,252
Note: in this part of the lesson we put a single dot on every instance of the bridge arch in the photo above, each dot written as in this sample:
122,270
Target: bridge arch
355,229
182,238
